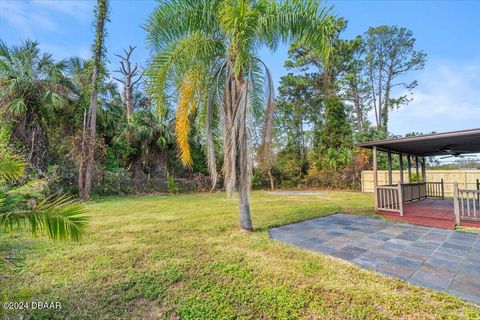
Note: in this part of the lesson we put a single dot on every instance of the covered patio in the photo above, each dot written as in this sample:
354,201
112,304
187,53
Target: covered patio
414,199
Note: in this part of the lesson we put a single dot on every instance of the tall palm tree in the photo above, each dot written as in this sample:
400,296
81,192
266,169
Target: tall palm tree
207,52
59,217
87,165
32,87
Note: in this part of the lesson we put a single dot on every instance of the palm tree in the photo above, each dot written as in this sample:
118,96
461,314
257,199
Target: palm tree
60,217
151,137
87,165
207,52
32,87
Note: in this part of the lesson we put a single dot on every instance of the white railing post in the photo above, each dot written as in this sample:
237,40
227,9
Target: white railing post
400,198
456,208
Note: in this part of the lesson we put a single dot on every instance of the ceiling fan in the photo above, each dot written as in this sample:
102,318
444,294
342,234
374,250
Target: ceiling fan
457,153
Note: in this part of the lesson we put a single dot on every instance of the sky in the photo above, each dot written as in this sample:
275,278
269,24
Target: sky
447,97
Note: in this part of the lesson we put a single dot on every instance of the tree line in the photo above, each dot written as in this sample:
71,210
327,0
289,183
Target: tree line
204,110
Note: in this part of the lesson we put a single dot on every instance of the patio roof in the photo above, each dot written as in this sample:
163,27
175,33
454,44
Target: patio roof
447,143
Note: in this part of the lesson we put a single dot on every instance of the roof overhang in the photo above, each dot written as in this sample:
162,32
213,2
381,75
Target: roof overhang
455,142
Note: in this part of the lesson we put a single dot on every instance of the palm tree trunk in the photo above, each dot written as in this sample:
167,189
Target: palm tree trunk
237,164
81,162
85,190
243,153
244,206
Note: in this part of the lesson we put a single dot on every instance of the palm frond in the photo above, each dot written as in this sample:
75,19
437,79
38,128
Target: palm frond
12,167
173,20
185,108
61,217
268,122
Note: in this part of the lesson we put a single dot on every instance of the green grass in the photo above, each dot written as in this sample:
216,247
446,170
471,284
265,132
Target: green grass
183,256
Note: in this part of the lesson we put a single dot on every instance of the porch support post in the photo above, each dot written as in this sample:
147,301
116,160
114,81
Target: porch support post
456,205
400,160
375,178
424,171
400,198
416,169
389,159
409,168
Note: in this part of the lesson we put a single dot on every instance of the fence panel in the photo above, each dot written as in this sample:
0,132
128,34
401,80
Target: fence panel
467,179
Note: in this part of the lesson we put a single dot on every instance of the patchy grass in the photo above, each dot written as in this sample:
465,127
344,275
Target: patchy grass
182,256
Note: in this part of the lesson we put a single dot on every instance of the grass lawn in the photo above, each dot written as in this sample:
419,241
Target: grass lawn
183,256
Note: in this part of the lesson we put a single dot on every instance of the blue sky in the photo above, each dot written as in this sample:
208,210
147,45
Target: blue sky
447,98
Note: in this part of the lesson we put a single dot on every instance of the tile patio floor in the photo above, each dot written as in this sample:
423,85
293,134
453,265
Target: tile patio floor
439,259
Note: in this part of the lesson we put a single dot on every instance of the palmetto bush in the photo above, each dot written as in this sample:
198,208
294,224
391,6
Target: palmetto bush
59,217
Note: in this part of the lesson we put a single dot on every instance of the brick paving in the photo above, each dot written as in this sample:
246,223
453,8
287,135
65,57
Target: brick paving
439,259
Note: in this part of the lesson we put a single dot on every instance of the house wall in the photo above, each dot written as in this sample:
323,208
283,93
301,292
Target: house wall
467,179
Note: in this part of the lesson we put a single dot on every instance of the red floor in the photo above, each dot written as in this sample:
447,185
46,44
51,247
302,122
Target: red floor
429,212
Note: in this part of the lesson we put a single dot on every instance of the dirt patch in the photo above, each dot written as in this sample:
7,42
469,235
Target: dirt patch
297,193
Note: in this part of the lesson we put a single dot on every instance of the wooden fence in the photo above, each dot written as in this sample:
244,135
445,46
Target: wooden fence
467,179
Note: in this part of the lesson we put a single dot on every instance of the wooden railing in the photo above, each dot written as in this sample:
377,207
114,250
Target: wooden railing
466,204
436,190
389,198
414,191
392,197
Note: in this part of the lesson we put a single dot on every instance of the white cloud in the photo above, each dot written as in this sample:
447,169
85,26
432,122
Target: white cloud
21,17
30,16
446,99
79,9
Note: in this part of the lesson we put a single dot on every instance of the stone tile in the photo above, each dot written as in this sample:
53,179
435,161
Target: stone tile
400,241
337,243
460,241
410,235
351,228
471,237
310,243
405,262
396,230
356,250
443,263
345,255
383,236
396,270
373,258
450,252
425,245
348,253
426,278
434,238
392,247
471,266
413,255
335,233
419,251
367,243
435,258
459,247
355,235
466,283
